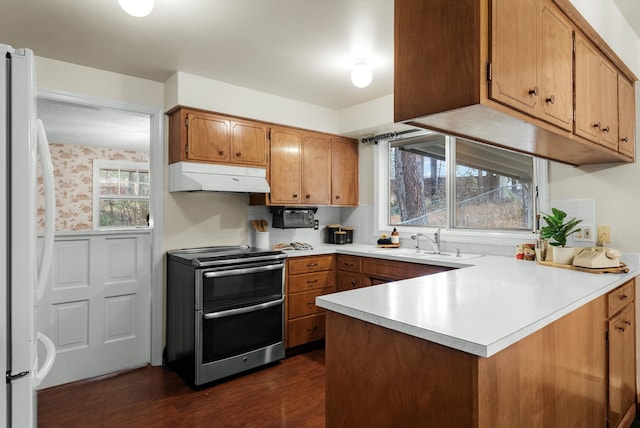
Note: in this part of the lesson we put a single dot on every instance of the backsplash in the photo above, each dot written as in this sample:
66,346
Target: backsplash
360,219
73,174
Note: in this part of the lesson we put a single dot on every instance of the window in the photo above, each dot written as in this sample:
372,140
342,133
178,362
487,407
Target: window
120,194
434,180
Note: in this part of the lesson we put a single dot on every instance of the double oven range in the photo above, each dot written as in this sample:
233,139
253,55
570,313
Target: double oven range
225,311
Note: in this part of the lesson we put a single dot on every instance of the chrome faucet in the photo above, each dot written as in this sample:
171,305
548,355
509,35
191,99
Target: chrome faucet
435,241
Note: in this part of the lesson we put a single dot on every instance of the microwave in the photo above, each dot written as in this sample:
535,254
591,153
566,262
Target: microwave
293,217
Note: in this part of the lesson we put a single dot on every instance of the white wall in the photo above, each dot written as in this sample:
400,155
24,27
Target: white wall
614,187
63,76
194,91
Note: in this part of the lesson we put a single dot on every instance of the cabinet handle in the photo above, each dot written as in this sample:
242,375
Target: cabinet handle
620,328
623,297
337,196
314,328
349,264
627,322
238,154
309,303
605,129
534,91
295,195
551,99
220,152
596,125
310,265
353,282
307,196
624,140
312,281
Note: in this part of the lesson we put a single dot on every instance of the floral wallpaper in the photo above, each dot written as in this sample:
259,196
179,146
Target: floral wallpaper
73,173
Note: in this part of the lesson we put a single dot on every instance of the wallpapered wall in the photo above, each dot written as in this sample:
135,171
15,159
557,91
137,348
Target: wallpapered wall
73,172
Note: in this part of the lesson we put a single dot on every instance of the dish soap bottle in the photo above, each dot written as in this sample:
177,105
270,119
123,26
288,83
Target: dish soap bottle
395,236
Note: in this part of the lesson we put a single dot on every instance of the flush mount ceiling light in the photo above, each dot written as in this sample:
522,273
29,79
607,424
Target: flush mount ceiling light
137,8
361,75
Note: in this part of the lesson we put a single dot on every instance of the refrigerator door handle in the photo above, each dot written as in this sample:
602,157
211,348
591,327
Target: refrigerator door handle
49,211
42,372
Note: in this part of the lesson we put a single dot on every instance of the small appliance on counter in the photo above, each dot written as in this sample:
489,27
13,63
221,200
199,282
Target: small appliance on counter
337,234
293,217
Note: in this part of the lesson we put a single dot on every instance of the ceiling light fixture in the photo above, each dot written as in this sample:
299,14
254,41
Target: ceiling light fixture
137,8
361,75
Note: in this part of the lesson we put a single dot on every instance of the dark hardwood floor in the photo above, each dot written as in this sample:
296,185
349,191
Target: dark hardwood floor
289,394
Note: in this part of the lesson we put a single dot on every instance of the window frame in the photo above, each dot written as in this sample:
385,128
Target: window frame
100,164
472,236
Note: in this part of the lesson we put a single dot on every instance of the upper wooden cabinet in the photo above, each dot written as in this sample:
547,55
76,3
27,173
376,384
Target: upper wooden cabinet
199,136
285,168
507,77
532,70
626,117
300,168
596,95
344,172
309,168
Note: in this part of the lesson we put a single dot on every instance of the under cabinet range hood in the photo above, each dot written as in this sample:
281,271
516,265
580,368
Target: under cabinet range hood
205,177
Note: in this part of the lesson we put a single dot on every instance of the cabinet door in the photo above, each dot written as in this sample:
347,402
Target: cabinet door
285,166
207,138
249,143
608,103
587,89
344,172
555,75
316,169
621,364
626,117
514,62
348,281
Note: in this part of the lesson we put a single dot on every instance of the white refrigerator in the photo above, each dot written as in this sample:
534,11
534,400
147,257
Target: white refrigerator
23,272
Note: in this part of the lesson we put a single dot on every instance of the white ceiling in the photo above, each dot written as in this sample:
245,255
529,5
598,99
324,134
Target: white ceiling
298,49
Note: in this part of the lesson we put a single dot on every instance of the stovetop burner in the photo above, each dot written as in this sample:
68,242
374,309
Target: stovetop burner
222,254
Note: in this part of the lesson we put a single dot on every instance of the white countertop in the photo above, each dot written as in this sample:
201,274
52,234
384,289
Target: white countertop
488,304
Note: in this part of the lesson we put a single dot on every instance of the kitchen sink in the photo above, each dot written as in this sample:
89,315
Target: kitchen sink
424,255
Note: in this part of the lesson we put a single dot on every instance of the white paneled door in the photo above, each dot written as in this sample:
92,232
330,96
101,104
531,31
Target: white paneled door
96,308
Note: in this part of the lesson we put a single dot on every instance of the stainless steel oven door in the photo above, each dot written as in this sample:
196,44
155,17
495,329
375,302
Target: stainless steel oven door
239,339
240,284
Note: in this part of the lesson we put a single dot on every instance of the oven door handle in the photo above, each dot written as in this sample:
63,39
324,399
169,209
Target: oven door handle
246,309
243,271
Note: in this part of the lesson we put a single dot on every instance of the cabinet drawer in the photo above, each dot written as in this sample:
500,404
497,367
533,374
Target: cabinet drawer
303,304
620,297
305,330
394,271
350,263
348,281
310,281
298,265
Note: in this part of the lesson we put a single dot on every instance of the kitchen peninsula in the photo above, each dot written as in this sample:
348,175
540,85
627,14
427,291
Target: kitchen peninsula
500,342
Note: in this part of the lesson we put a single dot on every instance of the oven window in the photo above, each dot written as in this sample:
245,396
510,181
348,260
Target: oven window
237,334
239,289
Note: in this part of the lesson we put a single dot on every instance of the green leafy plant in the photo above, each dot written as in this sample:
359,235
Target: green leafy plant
557,229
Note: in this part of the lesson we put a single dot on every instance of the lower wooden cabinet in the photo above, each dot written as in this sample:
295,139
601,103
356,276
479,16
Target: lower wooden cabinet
307,278
355,272
621,333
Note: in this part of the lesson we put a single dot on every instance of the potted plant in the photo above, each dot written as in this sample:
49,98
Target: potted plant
557,231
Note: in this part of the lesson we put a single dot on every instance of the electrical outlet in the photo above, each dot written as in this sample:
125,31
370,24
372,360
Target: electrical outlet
316,224
604,234
584,234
